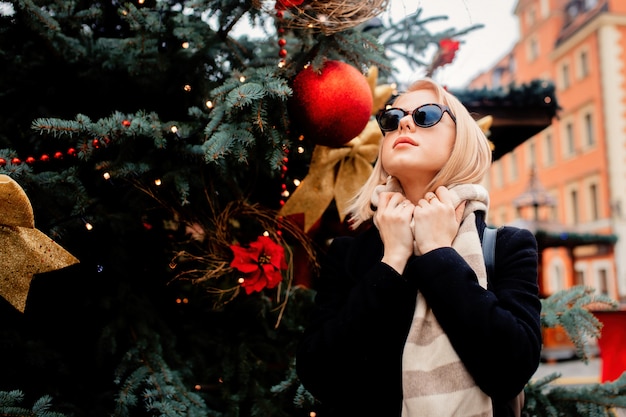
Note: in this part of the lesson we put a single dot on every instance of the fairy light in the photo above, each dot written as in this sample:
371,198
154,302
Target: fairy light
88,225
297,182
209,104
106,176
266,233
240,280
141,1
285,194
300,149
242,79
187,87
157,182
281,63
174,129
185,45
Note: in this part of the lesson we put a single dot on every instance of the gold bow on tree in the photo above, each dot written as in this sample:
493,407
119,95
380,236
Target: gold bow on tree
485,125
338,173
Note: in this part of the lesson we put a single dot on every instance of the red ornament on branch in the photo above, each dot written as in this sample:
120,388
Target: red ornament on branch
333,106
285,4
261,263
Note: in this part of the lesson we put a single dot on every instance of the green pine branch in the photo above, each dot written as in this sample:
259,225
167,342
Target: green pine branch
570,309
10,405
593,400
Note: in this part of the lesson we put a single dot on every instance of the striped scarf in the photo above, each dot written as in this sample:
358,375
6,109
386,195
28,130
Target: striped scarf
434,380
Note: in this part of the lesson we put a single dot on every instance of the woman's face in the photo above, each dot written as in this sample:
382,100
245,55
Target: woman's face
411,152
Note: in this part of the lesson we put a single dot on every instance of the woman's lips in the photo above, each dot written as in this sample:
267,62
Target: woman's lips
404,140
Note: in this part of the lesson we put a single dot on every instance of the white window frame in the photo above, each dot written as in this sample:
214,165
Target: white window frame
556,276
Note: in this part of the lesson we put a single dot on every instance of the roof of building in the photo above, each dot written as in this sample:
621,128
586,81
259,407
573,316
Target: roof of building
519,111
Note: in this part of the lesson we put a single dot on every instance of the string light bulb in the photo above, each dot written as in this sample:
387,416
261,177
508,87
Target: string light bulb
185,45
157,182
88,225
106,176
209,104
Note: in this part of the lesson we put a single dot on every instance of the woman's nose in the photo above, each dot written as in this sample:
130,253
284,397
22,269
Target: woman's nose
406,122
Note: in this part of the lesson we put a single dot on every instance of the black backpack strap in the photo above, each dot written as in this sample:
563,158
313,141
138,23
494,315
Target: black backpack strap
489,249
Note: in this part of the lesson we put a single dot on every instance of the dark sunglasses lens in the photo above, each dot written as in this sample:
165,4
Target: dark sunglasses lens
427,115
390,119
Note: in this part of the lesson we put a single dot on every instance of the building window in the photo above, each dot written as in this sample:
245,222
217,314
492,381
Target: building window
583,61
512,66
589,134
593,200
579,276
570,143
496,78
556,277
531,17
533,49
603,281
565,82
573,196
549,148
545,8
532,152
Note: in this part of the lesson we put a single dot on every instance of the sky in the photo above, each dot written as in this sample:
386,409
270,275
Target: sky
481,48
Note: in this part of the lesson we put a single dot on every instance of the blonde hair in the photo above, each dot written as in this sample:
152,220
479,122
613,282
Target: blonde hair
468,163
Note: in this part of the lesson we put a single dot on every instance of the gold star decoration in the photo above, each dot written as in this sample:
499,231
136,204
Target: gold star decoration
24,250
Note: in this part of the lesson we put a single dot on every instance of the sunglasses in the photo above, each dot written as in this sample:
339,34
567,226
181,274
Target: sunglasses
426,115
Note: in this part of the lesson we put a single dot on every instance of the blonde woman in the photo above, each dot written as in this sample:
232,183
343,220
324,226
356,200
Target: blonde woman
407,322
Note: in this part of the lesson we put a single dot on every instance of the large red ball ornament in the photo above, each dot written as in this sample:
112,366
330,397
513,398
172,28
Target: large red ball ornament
332,107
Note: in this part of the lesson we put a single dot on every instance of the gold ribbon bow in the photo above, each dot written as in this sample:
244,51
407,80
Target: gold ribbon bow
338,173
335,173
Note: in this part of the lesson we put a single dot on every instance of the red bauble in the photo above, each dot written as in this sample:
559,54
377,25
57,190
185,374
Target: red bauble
332,107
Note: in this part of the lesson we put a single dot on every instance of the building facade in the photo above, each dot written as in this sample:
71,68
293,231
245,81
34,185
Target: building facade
579,161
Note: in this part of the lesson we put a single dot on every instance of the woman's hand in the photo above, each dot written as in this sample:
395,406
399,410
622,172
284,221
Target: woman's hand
436,220
393,219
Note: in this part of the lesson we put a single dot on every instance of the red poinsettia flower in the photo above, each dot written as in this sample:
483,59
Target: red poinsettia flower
447,50
261,263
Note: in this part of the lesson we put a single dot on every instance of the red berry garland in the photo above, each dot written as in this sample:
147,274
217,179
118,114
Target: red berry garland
58,155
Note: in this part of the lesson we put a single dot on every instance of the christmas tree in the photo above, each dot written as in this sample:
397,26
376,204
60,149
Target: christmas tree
161,144
157,142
